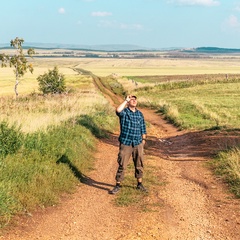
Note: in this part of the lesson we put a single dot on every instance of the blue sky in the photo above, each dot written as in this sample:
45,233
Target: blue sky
146,23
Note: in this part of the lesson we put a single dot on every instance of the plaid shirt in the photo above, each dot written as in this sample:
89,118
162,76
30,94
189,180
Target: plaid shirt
132,127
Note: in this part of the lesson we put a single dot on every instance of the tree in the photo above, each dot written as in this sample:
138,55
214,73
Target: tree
18,60
52,82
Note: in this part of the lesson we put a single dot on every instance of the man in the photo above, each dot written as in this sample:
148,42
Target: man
132,139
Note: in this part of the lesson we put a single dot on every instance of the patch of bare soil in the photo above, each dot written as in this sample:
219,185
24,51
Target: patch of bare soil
191,204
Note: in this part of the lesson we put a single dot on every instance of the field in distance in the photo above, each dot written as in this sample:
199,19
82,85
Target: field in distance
215,64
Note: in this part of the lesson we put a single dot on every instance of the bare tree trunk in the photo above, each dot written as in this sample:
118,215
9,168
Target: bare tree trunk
16,85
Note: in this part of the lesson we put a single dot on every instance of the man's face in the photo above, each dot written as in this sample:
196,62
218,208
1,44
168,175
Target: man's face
133,102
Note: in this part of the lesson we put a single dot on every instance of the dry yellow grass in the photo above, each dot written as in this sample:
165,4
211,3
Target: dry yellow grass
120,67
147,67
45,111
130,85
125,67
82,102
37,114
28,83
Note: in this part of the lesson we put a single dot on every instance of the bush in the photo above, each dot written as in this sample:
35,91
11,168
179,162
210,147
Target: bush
52,82
11,139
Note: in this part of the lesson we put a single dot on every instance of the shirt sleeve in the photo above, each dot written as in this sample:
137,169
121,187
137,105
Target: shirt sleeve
120,114
143,126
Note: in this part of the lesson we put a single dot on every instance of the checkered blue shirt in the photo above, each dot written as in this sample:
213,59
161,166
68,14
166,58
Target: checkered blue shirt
132,127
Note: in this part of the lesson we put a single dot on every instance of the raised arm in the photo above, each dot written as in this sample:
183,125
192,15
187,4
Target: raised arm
123,104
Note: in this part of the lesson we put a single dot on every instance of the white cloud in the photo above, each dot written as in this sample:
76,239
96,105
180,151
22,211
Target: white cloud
61,10
233,22
231,25
207,3
101,14
131,26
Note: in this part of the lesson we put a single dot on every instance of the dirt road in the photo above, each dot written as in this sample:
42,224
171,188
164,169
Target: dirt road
191,204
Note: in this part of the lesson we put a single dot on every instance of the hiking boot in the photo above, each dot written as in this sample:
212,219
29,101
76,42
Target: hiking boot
141,188
115,189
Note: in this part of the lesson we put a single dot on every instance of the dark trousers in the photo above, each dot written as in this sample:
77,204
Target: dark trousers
124,155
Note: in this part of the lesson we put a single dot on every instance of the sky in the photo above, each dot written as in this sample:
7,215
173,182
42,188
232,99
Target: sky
145,23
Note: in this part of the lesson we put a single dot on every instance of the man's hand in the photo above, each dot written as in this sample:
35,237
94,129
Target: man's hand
144,137
128,98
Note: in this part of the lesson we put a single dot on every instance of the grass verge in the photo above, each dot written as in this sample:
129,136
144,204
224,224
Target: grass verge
227,166
49,163
130,196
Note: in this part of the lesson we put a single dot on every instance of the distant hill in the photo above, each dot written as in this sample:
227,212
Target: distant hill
107,47
213,50
121,47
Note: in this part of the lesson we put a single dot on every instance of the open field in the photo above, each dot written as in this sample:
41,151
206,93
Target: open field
28,83
199,106
118,67
149,67
147,72
34,113
155,71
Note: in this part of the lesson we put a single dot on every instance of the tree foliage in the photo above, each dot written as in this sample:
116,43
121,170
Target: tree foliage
52,82
18,61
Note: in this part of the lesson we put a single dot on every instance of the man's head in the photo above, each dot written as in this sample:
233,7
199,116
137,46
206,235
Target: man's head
133,96
132,101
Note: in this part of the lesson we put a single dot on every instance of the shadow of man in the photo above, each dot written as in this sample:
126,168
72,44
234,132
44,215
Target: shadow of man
81,177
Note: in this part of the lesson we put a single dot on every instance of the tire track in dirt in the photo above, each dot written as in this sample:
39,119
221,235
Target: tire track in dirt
196,204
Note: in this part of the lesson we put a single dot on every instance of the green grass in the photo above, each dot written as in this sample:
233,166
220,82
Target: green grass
130,196
227,166
196,106
49,162
48,142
